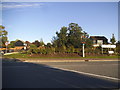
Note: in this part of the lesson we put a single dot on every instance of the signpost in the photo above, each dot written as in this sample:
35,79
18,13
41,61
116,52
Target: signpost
6,44
83,50
83,42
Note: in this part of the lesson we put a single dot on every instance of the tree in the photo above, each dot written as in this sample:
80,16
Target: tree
62,37
54,42
3,36
112,40
32,49
12,44
37,43
71,37
76,35
41,42
49,45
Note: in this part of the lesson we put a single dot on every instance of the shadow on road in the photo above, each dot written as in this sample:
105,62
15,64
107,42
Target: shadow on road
17,74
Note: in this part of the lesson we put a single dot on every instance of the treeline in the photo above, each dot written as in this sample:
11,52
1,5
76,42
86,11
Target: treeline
67,40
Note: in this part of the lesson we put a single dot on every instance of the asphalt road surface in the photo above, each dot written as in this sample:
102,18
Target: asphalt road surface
104,68
29,75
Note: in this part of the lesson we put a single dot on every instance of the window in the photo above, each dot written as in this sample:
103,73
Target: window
94,41
99,41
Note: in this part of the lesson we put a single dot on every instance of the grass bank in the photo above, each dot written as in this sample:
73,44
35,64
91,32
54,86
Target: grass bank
27,56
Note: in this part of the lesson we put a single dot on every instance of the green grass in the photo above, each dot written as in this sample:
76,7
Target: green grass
19,55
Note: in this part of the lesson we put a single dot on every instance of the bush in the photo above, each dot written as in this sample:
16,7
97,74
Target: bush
30,51
70,49
77,50
23,52
36,51
43,51
50,50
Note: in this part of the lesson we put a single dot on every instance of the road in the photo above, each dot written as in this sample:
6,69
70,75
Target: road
105,68
31,75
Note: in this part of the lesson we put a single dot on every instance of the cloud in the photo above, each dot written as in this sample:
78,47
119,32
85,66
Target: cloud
20,5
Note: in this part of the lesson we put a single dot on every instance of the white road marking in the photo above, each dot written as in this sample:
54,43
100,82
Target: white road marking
112,78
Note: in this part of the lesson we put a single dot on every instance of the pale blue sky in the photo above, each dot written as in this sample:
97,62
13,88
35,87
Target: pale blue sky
33,21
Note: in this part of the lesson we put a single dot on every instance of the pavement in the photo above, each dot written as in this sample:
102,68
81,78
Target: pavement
17,74
66,60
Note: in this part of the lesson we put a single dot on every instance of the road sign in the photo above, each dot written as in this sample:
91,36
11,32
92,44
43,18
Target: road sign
83,42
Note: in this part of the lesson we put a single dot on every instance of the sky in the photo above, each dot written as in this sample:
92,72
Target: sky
30,21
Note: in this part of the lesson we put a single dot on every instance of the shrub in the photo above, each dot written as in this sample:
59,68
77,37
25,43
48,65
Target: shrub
50,50
70,49
61,49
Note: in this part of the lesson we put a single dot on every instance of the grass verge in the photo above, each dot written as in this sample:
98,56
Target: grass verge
26,56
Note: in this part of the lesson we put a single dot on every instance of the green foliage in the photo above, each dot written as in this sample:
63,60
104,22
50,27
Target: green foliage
77,50
74,35
32,49
41,50
35,50
33,46
23,52
36,43
89,43
62,37
12,44
50,50
97,50
41,43
3,36
49,45
71,37
61,49
112,40
71,49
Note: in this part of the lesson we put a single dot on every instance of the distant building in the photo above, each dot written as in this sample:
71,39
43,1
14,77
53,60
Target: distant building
99,40
19,45
103,42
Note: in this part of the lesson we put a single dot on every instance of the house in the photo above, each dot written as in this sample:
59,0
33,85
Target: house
19,45
99,40
102,41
